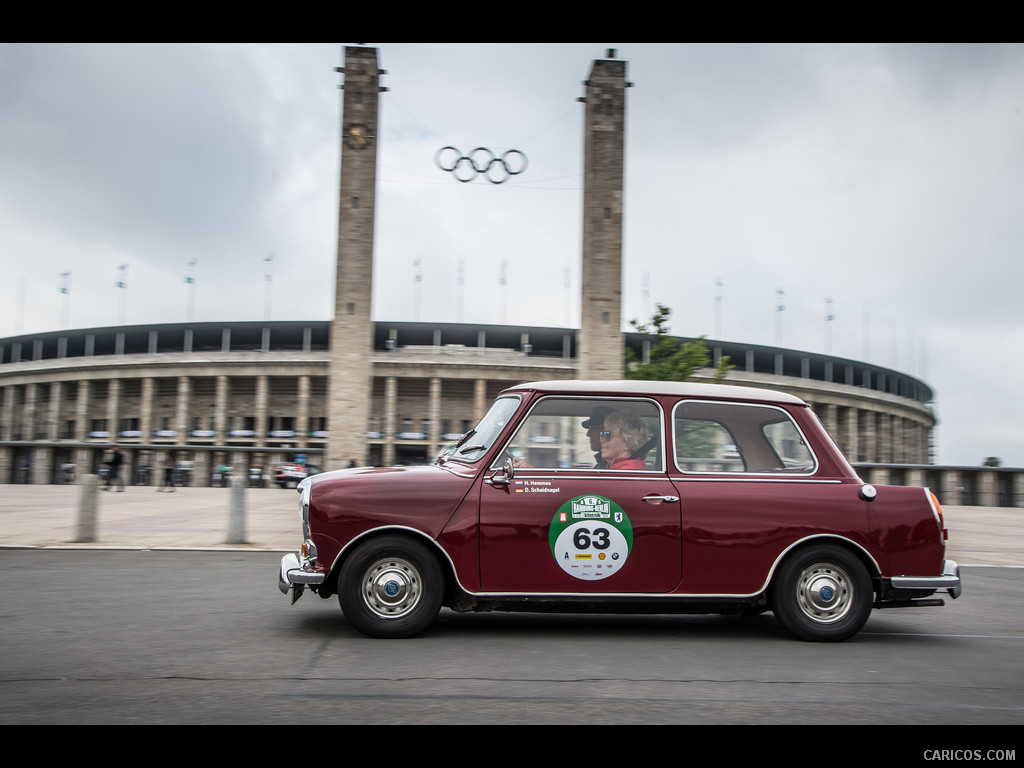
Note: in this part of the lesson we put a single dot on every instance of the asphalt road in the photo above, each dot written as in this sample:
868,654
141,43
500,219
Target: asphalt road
155,637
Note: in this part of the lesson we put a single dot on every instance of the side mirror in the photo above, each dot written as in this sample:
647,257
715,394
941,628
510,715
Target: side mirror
504,475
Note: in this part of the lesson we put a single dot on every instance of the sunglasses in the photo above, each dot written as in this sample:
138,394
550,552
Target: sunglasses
606,435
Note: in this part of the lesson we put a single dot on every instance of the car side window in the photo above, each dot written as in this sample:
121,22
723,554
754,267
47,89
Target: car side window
714,437
589,433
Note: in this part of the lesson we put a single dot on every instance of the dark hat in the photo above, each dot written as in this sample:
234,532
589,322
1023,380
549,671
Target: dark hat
597,417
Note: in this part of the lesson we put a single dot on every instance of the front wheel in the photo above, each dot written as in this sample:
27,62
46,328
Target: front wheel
823,593
391,586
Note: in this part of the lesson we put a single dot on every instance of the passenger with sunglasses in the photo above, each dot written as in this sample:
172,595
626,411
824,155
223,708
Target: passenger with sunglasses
622,437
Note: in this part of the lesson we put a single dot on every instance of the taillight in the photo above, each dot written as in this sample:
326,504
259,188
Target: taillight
937,510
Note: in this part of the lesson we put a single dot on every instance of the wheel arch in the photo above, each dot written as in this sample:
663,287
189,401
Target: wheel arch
794,549
414,534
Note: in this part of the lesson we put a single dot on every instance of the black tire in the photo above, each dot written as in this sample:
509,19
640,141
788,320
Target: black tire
391,586
822,593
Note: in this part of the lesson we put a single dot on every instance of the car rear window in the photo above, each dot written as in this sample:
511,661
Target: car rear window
738,438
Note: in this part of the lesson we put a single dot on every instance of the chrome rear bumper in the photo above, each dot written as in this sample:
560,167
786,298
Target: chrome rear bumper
949,580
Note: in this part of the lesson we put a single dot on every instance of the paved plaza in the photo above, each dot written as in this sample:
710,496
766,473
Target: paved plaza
197,518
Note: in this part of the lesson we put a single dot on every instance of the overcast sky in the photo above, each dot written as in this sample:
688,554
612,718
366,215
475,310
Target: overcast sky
888,179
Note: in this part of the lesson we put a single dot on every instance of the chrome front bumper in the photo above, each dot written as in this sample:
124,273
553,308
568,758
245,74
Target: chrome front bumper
949,580
293,578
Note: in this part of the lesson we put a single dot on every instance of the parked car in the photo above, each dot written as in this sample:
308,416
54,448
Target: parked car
624,496
290,475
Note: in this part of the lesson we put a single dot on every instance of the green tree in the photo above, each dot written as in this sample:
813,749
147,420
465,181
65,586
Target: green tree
670,359
992,461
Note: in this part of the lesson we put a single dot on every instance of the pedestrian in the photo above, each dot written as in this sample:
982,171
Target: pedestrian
167,481
115,464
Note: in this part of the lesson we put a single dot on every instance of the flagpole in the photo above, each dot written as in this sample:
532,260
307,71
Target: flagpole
19,310
268,263
567,303
122,284
65,289
417,278
190,281
718,308
503,283
460,280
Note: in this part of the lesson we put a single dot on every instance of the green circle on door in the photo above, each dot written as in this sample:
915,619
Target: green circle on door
590,537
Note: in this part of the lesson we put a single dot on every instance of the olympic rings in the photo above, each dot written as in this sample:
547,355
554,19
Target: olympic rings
481,160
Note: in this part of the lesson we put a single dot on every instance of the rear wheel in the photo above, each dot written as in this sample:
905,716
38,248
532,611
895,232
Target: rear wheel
823,593
391,586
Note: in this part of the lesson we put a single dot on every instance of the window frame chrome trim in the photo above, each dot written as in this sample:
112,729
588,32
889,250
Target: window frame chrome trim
758,476
648,473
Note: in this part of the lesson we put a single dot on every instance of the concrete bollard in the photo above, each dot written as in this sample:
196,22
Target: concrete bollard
236,512
87,503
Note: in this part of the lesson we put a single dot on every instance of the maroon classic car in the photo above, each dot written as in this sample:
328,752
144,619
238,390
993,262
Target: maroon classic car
606,496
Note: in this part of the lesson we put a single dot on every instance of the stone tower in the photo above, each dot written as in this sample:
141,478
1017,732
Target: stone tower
350,378
600,340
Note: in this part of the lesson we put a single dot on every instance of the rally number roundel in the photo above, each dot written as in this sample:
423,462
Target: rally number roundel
590,537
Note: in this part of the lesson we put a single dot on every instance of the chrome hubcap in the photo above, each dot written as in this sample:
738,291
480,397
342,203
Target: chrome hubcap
824,593
392,588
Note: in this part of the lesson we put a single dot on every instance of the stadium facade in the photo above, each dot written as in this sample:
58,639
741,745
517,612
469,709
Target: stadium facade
254,394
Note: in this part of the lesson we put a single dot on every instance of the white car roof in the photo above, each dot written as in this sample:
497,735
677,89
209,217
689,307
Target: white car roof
670,388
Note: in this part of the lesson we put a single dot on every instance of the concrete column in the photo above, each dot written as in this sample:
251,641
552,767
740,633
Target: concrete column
82,414
851,434
390,419
908,449
53,410
868,437
434,411
239,462
181,411
28,412
85,529
950,492
830,419
146,410
83,462
201,469
916,477
6,412
237,509
262,396
302,413
600,341
113,409
1018,490
883,439
479,400
6,457
42,466
988,493
220,415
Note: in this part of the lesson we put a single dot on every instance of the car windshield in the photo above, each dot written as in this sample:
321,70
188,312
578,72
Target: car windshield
475,443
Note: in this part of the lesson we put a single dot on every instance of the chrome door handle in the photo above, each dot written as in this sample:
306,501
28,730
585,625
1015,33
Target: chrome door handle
659,499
